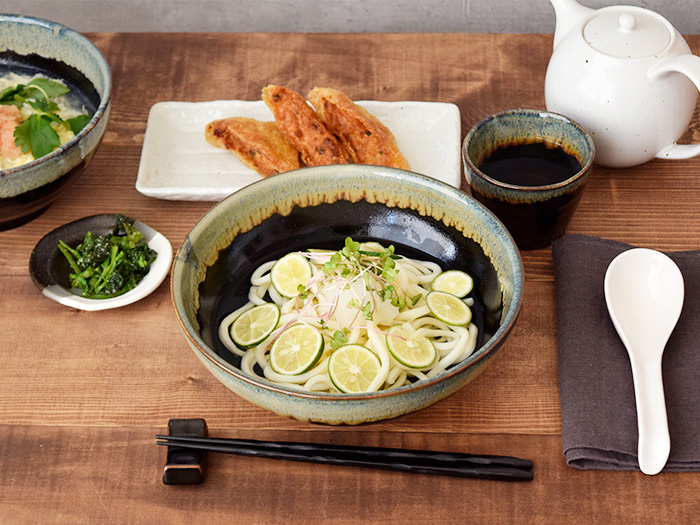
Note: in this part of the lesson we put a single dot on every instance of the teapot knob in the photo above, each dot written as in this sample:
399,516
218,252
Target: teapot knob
627,22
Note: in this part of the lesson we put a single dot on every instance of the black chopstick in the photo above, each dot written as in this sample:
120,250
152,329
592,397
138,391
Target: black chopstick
378,453
503,468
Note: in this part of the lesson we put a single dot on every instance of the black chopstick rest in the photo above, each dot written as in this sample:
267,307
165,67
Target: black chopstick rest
185,466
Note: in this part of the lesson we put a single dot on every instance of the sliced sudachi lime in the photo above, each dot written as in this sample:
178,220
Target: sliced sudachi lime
448,308
253,326
296,350
456,282
409,348
289,272
352,368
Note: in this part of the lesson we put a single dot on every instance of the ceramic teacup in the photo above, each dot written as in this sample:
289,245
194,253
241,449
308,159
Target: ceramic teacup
529,167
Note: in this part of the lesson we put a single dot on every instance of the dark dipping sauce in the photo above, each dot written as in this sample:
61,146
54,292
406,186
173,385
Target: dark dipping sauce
530,164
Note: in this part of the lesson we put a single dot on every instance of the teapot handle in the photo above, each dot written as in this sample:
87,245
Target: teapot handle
688,65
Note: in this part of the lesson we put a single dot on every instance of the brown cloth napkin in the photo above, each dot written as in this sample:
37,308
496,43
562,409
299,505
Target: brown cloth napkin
599,418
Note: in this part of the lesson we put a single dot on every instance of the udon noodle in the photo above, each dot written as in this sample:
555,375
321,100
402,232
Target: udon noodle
348,310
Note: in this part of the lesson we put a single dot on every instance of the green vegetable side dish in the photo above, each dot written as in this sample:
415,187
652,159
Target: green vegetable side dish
35,134
106,266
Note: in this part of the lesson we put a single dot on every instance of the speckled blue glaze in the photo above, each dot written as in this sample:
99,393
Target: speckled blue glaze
29,36
248,208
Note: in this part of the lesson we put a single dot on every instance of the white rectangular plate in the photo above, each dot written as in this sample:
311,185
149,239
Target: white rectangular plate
177,163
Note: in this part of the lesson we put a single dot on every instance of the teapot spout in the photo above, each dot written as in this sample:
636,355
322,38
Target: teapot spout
568,14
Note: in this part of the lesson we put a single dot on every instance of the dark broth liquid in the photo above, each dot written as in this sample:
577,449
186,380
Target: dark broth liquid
533,164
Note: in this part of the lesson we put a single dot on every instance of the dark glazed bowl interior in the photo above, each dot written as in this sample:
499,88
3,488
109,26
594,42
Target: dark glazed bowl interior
225,288
320,207
31,46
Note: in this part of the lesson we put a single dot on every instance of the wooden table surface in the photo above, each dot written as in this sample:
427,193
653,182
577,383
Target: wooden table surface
83,394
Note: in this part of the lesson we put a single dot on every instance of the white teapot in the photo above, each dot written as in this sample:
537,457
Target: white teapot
626,75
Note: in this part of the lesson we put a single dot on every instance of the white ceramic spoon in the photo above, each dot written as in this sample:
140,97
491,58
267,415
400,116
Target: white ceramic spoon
644,292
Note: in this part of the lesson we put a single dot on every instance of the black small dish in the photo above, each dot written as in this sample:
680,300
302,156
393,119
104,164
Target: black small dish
49,269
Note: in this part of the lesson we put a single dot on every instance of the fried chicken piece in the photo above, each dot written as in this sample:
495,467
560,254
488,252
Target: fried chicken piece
260,145
366,138
304,128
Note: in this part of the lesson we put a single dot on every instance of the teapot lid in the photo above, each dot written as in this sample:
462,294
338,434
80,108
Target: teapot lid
627,32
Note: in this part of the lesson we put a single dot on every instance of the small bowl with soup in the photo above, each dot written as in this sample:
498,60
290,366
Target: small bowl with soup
55,96
347,294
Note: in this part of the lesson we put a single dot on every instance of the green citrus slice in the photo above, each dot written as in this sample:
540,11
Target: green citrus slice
253,326
448,308
352,368
289,272
409,348
296,350
455,282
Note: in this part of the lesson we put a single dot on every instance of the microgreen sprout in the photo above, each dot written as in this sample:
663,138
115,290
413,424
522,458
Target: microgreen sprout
376,270
338,340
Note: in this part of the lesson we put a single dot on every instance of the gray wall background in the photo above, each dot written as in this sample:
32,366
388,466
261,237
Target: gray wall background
432,16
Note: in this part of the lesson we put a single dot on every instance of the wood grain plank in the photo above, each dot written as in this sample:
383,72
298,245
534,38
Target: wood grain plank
82,394
91,475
